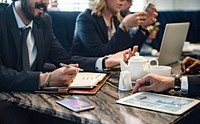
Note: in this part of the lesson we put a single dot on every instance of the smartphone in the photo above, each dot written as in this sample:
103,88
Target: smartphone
148,7
75,104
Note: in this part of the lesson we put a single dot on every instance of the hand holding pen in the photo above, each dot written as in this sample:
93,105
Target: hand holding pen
61,77
65,65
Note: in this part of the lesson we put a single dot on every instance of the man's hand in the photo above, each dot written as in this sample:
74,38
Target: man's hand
190,65
125,55
63,76
152,82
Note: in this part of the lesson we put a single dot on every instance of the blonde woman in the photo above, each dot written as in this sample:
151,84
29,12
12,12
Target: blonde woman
101,30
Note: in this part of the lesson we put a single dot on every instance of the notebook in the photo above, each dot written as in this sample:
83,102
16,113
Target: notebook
87,80
172,43
158,102
81,86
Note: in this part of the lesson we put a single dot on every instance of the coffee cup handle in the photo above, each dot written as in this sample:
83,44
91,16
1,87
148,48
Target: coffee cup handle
156,61
123,80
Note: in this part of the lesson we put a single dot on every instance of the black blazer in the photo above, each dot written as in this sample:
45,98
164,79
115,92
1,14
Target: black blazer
12,77
194,85
91,38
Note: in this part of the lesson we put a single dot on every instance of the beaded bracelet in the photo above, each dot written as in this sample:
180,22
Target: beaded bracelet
46,81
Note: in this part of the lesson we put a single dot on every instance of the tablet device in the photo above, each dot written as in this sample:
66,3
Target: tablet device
158,102
75,104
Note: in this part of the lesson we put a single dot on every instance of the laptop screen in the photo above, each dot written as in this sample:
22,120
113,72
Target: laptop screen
172,42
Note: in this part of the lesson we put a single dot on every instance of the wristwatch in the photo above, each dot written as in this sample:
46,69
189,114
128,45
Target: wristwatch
177,82
103,64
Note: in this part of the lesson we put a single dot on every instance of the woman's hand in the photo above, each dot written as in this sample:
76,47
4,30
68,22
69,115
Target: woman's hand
125,55
133,20
151,18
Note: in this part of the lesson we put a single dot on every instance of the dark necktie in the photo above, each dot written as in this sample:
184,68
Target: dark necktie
25,55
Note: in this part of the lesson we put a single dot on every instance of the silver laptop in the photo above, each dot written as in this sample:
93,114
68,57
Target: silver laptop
172,42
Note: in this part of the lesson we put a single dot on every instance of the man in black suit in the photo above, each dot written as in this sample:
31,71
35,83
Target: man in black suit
42,46
189,84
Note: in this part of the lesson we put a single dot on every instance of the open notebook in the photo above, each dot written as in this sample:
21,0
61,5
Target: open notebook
87,80
84,83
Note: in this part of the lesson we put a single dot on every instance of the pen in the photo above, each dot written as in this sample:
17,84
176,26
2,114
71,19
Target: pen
63,65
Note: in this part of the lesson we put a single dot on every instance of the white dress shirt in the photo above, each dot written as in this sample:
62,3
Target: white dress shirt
184,85
32,50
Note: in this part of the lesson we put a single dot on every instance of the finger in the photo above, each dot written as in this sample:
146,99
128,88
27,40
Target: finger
71,75
135,49
184,62
183,67
137,86
129,54
125,58
190,67
71,71
145,88
68,82
142,17
144,13
127,51
155,14
140,82
138,18
74,65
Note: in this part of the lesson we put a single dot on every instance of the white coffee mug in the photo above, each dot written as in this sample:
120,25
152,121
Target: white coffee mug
125,83
161,70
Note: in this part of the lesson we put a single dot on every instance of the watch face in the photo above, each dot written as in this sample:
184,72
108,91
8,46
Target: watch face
177,81
177,88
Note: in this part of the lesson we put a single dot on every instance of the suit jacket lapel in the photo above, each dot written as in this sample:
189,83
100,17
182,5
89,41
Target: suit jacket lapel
116,23
14,30
100,21
39,42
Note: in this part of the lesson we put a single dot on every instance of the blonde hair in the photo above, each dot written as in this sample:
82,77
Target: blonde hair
97,7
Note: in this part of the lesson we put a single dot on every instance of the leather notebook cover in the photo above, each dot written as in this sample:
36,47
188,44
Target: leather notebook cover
63,90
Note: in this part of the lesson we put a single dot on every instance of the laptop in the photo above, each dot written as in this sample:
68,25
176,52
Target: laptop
172,42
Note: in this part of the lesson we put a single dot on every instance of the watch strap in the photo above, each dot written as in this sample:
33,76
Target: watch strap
177,82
